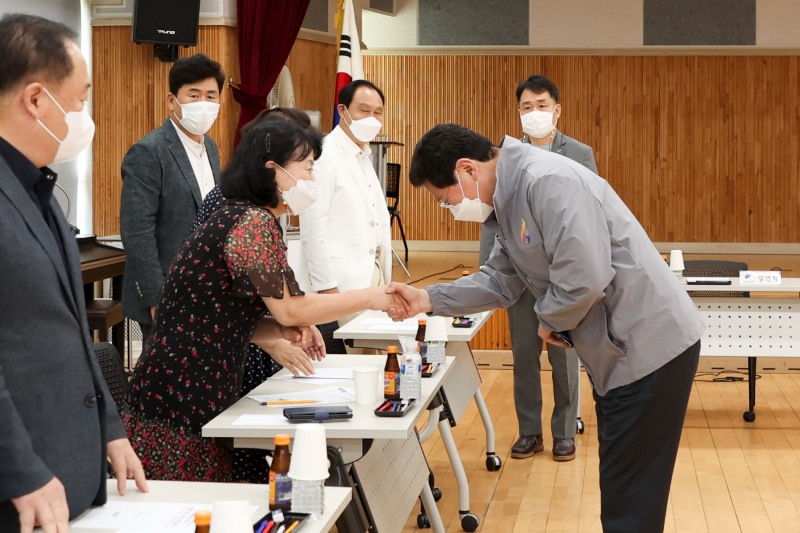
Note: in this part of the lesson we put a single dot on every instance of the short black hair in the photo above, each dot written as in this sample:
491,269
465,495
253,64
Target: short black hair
32,46
191,69
436,153
348,91
272,139
538,84
286,113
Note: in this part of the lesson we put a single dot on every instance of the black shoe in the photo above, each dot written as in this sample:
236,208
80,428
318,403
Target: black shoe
563,449
526,446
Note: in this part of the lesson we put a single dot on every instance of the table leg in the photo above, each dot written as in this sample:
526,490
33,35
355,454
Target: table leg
467,519
431,510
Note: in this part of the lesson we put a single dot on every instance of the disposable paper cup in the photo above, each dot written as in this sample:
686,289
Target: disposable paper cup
231,517
365,381
676,260
309,454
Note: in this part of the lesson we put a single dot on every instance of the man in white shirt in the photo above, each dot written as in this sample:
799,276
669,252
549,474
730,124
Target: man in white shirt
165,177
346,233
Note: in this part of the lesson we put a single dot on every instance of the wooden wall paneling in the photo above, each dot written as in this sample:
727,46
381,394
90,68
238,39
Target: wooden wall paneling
313,68
702,148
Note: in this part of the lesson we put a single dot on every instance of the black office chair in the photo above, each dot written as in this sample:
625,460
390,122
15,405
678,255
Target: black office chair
331,345
113,372
725,269
393,193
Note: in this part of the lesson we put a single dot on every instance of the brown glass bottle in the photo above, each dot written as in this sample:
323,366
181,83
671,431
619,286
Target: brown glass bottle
422,348
202,521
280,484
391,375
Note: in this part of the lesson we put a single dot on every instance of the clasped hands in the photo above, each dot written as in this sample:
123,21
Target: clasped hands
401,301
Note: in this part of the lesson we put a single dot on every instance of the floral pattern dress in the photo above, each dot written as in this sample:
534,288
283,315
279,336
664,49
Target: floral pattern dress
193,363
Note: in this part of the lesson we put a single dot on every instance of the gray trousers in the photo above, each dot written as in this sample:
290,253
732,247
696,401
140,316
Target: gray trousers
526,346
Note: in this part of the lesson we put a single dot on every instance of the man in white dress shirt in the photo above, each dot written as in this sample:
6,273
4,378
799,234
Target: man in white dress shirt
346,233
166,175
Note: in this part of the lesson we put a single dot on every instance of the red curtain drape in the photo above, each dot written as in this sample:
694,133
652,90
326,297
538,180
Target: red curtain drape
266,32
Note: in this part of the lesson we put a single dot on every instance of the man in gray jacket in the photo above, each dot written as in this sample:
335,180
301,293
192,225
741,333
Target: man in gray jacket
165,177
58,422
539,112
565,235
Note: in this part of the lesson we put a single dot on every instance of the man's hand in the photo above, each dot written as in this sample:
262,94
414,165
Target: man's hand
46,507
413,301
547,336
125,464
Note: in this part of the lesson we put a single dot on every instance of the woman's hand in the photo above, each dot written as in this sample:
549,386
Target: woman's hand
291,357
316,348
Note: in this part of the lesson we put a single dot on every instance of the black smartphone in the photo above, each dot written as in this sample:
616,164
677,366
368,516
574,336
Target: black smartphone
563,336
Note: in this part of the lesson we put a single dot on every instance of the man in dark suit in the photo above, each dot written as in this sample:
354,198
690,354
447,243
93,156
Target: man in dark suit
539,112
165,177
58,421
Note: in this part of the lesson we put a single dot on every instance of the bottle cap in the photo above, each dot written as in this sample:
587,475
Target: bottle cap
281,440
422,321
202,517
391,349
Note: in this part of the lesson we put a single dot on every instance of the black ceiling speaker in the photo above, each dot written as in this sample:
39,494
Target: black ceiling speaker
167,24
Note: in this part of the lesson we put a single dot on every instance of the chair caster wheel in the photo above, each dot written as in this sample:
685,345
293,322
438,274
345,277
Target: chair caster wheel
422,521
493,463
437,493
580,427
469,522
749,416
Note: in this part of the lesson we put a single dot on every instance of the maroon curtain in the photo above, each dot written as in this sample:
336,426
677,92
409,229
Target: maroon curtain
266,33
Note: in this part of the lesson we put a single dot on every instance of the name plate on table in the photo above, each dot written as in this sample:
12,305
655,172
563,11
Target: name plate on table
760,278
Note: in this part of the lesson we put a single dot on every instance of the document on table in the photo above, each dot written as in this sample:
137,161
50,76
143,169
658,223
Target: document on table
321,374
138,516
324,396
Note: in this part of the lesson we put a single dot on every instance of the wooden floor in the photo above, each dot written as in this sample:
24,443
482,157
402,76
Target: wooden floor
730,475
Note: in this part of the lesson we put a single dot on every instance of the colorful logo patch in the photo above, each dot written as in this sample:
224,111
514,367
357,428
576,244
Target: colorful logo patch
524,233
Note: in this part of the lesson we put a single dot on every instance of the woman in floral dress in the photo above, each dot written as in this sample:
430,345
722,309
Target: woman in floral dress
225,278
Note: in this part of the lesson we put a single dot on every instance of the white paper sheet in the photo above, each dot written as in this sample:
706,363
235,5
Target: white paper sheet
138,516
400,326
322,374
324,396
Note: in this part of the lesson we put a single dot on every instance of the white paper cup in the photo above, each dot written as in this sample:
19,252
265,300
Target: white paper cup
231,517
309,454
676,261
365,381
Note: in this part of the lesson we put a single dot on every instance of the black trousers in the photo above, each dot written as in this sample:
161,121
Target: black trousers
639,429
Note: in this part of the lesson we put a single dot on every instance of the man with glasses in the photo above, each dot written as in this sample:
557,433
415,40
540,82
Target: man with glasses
539,112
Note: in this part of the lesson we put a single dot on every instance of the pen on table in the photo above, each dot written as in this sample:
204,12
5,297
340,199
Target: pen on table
290,528
385,407
281,529
264,526
289,402
269,527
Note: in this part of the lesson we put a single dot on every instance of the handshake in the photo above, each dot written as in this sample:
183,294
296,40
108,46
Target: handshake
400,301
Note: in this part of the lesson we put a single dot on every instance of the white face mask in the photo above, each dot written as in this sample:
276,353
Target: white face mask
364,129
537,123
198,117
471,210
80,132
301,196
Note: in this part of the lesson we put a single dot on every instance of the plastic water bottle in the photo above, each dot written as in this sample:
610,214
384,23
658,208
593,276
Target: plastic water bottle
411,376
308,497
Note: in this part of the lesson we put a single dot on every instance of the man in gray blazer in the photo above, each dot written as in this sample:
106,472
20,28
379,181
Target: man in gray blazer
58,422
165,177
539,112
